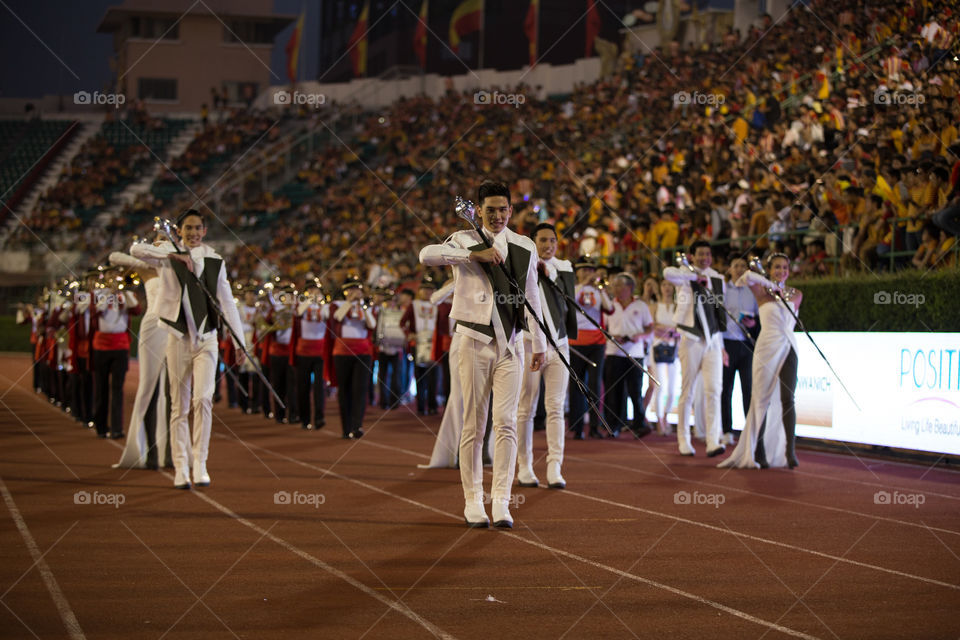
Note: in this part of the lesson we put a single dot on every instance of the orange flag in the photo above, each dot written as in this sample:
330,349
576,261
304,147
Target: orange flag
358,43
293,47
467,18
420,36
530,29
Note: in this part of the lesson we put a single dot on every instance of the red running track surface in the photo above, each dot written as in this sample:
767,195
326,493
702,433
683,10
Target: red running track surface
808,553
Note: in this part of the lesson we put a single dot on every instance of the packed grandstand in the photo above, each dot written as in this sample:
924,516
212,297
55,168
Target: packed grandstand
830,135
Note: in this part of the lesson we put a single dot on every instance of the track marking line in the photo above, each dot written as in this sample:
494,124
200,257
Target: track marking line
63,606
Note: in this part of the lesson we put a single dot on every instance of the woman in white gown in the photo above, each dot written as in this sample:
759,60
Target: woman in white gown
774,374
446,448
151,348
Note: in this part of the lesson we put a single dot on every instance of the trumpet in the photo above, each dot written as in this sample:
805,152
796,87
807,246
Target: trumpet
683,261
601,283
787,293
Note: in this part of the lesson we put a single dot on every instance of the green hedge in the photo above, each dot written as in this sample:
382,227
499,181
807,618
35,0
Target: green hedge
903,301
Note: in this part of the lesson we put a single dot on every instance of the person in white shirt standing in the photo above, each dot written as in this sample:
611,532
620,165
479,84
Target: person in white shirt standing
701,321
561,321
190,317
630,324
490,317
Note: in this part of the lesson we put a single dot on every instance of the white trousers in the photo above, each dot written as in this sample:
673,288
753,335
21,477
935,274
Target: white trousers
192,366
485,368
705,360
151,347
555,380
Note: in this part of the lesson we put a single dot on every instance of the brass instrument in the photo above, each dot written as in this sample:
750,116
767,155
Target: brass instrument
787,293
601,283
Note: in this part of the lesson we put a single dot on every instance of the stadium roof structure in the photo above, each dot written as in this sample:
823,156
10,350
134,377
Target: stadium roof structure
261,10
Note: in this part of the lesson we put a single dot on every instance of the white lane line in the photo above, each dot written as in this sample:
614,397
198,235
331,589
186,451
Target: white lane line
73,626
747,536
685,594
801,503
63,607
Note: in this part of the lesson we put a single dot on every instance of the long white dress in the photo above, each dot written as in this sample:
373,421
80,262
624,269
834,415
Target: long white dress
151,348
773,346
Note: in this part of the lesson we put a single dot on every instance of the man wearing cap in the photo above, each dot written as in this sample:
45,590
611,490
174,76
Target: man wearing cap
250,383
306,357
491,315
186,281
419,322
112,308
352,324
561,321
390,341
588,345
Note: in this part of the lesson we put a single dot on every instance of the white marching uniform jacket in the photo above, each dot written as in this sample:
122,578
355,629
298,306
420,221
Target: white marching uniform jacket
686,315
473,299
173,304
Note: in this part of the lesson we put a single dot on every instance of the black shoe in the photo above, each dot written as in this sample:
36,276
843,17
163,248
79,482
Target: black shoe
117,436
483,524
579,436
716,452
306,427
356,434
615,433
528,484
320,425
596,434
346,436
503,524
642,431
184,487
687,455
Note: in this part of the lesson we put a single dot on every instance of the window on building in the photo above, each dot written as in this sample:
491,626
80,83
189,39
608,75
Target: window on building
248,32
243,92
154,28
157,89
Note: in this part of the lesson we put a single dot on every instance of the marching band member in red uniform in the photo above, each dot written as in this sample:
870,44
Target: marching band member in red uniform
351,328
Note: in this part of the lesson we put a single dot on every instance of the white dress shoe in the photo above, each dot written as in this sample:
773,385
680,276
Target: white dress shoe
181,479
554,479
501,515
200,476
475,515
526,478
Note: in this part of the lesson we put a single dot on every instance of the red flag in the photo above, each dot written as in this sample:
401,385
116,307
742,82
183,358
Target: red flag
530,29
593,26
293,48
358,43
467,18
420,36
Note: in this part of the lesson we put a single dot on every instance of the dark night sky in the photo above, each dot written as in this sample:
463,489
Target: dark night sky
69,29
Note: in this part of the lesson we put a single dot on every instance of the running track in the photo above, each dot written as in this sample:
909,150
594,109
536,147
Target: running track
807,553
